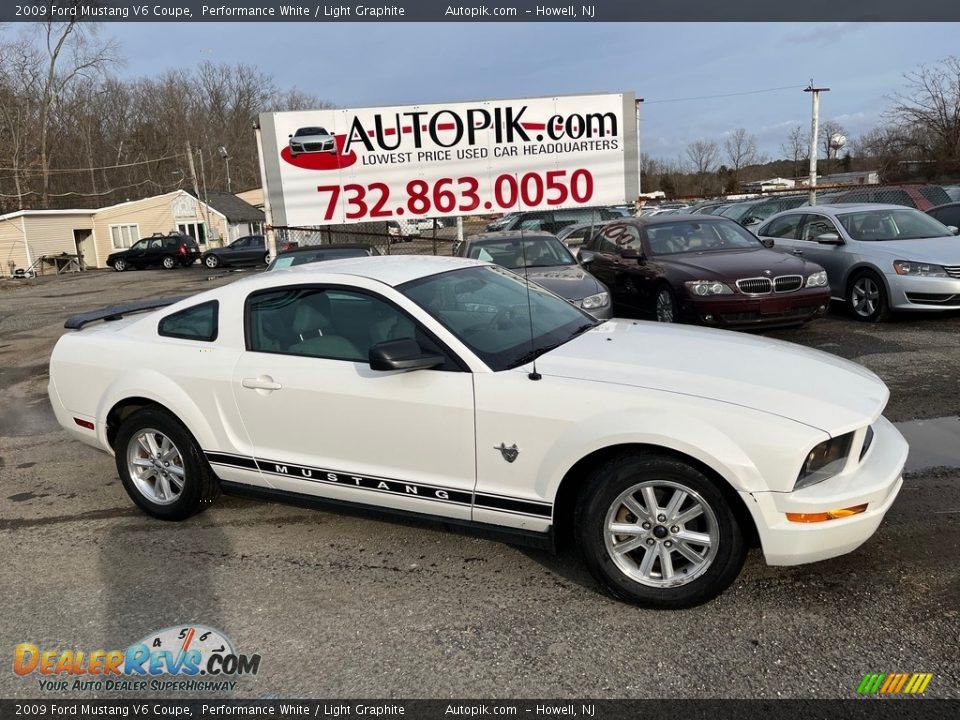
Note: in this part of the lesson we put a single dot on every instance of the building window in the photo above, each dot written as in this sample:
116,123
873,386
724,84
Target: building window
123,236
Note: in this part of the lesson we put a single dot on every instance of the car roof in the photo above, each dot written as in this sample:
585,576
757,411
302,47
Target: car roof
327,246
663,219
945,205
510,235
392,270
844,208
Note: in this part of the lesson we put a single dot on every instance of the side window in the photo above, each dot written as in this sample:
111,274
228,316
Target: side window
332,324
199,322
815,226
784,227
257,242
578,237
948,216
241,243
612,237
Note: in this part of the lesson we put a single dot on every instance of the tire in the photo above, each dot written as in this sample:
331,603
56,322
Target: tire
665,308
266,258
120,265
625,574
169,262
867,297
211,261
159,495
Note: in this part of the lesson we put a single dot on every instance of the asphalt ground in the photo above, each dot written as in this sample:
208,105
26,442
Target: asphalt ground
339,605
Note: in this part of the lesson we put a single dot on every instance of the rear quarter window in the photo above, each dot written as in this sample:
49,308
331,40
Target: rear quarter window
200,322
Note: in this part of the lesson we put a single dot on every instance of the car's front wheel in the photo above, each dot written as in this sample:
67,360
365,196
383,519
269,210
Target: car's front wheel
169,262
867,297
120,265
211,261
656,531
161,466
666,305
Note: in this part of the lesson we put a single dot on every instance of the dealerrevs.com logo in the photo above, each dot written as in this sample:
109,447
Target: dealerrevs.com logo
189,658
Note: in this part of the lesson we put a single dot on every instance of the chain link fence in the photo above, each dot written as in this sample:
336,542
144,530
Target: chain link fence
389,238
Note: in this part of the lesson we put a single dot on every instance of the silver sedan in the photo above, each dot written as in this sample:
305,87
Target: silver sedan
878,258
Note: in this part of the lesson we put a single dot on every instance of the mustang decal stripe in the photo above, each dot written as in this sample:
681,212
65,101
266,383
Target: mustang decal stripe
383,485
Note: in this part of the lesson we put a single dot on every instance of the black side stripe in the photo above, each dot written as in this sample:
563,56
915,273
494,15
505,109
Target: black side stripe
516,506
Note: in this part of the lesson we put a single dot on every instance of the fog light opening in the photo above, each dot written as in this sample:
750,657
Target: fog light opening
828,515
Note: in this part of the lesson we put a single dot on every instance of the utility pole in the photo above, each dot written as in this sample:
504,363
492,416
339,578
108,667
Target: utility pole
193,178
814,129
638,103
206,202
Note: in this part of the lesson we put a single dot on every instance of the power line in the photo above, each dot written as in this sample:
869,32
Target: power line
54,171
724,95
98,194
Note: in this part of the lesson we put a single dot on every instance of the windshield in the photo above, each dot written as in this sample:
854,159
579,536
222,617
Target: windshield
300,258
737,211
495,313
304,132
691,236
515,253
900,224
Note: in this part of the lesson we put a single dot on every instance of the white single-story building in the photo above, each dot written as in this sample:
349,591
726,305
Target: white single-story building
38,239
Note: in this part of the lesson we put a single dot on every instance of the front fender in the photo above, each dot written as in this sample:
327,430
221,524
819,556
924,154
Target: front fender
751,450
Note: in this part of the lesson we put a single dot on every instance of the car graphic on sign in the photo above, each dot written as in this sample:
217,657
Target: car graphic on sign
312,139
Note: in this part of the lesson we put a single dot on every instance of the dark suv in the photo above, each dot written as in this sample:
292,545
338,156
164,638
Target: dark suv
166,251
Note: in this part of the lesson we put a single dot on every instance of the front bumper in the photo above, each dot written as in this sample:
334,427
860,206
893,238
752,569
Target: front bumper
923,293
764,311
874,481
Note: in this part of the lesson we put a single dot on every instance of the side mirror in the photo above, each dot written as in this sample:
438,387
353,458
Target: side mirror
290,136
766,242
402,354
954,229
586,257
830,238
752,220
629,253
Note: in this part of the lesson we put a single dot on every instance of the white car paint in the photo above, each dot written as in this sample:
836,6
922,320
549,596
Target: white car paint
748,408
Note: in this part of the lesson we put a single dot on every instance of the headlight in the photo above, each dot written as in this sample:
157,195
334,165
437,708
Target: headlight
824,461
905,267
596,301
703,288
817,279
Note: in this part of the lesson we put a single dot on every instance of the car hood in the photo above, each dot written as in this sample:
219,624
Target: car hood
735,264
941,250
772,376
570,282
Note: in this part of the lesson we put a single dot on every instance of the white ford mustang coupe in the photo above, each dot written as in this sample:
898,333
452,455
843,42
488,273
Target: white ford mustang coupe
450,389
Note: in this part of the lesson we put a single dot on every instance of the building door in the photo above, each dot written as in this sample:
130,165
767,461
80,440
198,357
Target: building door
196,230
86,254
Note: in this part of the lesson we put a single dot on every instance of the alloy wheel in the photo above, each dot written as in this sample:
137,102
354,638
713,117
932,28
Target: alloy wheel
665,306
155,466
661,533
865,296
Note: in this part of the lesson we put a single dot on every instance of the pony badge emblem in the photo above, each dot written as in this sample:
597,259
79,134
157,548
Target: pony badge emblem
509,453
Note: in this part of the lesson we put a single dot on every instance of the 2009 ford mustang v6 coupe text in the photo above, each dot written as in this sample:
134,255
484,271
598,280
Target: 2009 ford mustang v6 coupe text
451,388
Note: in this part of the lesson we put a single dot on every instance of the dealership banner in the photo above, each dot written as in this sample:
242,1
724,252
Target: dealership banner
377,164
301,11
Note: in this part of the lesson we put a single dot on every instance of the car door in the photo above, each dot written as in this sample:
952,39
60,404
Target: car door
153,255
601,257
256,250
235,252
832,258
137,254
784,231
322,422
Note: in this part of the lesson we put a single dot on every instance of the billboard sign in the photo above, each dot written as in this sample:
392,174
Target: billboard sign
340,166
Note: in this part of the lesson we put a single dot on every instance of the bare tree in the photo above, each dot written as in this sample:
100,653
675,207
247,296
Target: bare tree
703,155
19,110
796,148
741,150
928,112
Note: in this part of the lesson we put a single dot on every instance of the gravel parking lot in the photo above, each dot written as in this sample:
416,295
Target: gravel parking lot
341,605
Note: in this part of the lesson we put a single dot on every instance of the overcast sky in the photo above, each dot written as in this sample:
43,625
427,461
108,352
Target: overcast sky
405,63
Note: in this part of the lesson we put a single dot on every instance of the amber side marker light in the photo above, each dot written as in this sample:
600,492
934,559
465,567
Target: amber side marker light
828,515
83,423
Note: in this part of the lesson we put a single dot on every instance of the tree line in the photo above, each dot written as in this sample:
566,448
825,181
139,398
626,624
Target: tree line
73,133
917,140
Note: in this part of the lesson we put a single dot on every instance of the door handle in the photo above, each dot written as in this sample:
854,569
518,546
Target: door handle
798,252
264,382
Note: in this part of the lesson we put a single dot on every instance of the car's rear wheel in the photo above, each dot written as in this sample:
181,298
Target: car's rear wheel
161,466
656,531
666,305
120,265
266,258
211,261
867,297
169,262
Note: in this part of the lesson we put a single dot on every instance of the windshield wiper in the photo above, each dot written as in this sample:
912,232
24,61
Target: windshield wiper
534,354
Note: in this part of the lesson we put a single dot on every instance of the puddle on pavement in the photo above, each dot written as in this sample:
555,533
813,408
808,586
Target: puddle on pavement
933,443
